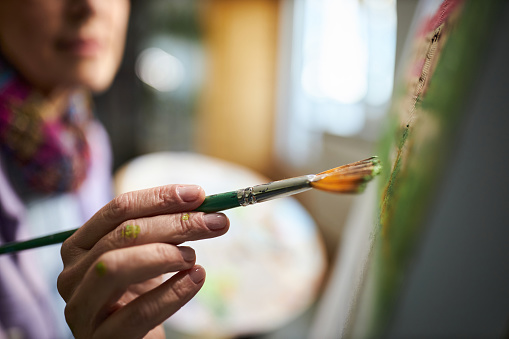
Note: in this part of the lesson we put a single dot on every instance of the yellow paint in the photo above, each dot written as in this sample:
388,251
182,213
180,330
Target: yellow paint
131,231
185,216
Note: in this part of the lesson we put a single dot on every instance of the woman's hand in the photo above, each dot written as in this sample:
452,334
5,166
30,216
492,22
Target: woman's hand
113,265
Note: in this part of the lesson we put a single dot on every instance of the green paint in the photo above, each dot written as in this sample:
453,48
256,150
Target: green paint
361,188
377,169
416,153
131,231
100,268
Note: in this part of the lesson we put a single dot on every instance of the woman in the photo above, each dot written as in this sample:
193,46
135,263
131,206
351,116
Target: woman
52,54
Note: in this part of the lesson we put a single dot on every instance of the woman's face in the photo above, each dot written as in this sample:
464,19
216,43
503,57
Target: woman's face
59,44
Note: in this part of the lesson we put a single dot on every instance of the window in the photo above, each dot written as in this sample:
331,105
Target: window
337,70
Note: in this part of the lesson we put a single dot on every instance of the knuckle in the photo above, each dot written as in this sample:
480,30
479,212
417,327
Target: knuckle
164,251
184,225
164,195
67,282
120,205
62,284
69,251
144,313
126,234
70,312
161,193
107,264
199,220
181,291
65,250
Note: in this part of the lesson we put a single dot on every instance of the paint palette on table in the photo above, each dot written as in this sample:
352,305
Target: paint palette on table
263,273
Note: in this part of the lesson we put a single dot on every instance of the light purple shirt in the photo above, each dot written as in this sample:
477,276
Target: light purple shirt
27,301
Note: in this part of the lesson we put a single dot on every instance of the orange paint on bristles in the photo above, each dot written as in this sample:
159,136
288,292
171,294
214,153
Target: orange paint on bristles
351,178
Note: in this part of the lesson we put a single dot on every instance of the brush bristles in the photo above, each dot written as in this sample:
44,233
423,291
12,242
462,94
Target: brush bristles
351,178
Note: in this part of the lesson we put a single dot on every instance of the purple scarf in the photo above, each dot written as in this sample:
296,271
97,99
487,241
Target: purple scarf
49,154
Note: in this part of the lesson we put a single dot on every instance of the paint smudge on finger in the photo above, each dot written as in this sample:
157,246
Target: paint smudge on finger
131,231
185,216
100,268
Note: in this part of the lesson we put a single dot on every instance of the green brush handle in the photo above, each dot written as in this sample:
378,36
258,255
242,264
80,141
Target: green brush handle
51,239
212,203
219,202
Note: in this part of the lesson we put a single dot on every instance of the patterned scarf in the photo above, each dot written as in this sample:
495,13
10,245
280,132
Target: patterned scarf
48,155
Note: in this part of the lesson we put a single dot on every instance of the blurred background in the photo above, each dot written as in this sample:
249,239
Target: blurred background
284,87
279,87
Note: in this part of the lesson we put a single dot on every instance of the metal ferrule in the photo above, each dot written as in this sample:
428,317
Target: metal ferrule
275,189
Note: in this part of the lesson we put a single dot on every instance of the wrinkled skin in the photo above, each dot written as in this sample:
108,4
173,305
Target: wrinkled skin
113,265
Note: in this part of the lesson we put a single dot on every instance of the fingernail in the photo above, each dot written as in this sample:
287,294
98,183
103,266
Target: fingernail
187,253
197,274
189,193
215,221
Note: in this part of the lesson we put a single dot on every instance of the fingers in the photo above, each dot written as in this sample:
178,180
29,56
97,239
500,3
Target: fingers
173,229
110,276
113,264
138,204
149,310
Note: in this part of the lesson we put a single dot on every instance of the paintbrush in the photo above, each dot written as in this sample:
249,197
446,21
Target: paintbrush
351,178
